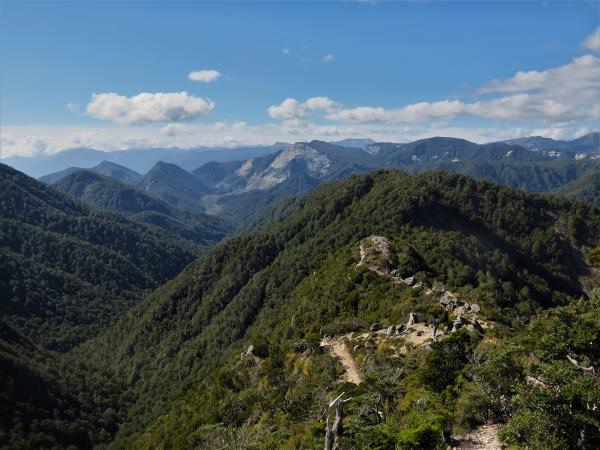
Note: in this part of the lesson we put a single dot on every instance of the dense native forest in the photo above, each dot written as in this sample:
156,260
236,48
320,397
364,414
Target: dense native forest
460,304
586,188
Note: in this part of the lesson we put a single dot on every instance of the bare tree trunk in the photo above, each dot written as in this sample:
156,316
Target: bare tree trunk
334,433
338,425
328,435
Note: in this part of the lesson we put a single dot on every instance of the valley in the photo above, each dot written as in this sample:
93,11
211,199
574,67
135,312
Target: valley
395,288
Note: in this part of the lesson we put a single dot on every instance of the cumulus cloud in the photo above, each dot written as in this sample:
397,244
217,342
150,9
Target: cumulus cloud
287,110
291,109
147,108
416,112
561,94
322,103
328,58
592,42
205,76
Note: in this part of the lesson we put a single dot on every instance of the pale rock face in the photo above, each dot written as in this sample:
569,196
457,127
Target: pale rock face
579,156
245,168
372,149
279,170
317,163
266,180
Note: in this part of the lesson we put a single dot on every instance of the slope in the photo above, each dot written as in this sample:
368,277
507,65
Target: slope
586,188
68,270
174,185
511,252
110,195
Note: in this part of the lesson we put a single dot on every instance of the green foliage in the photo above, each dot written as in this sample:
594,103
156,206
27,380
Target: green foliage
297,280
585,188
67,271
110,195
183,379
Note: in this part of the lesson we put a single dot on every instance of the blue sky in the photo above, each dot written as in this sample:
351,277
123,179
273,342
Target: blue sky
369,63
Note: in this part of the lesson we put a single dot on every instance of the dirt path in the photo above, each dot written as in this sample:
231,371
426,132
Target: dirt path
339,349
483,437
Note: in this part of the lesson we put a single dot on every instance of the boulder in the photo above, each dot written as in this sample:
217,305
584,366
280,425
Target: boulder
390,330
412,319
376,327
457,324
474,308
409,281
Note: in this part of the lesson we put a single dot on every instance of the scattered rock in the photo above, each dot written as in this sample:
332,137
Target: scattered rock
409,281
474,308
390,330
457,324
477,326
482,437
376,327
376,255
412,319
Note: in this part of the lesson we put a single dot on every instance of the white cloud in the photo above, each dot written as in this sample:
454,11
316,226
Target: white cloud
328,58
561,94
147,108
33,140
173,129
416,112
592,42
287,110
323,103
286,51
205,76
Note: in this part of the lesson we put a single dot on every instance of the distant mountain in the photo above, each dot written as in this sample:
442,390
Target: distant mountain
68,270
118,172
111,195
107,168
586,188
174,185
353,143
213,187
589,143
139,160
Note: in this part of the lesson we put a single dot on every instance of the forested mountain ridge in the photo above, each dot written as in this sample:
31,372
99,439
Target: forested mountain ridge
589,143
586,188
224,188
106,168
110,195
513,254
69,270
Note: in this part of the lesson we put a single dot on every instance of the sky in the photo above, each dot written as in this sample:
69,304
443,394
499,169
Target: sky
115,75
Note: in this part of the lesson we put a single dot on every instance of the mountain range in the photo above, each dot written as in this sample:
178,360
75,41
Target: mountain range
139,160
226,189
440,305
177,377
